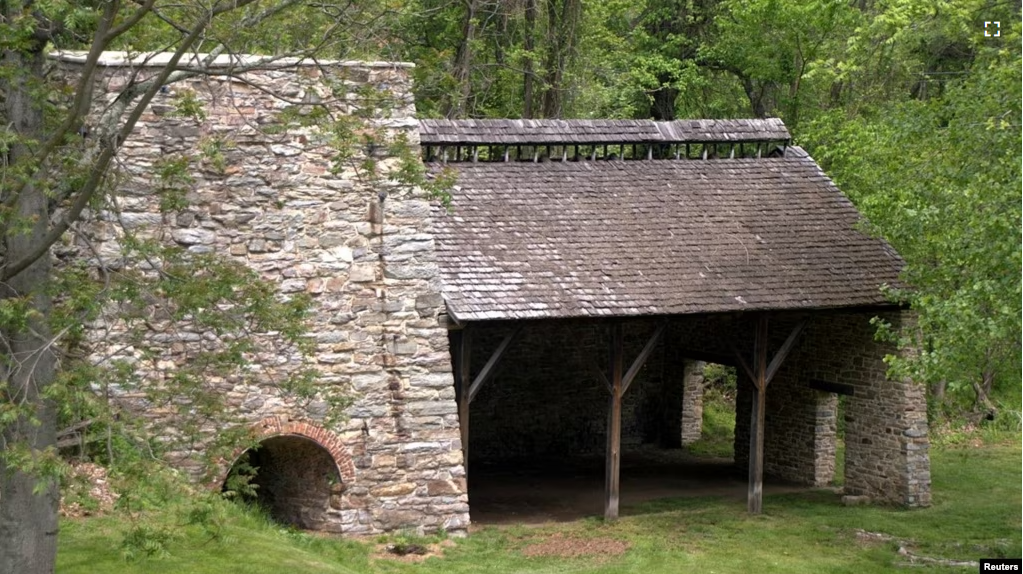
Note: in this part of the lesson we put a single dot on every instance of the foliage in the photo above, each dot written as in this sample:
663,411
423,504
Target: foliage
720,378
238,485
976,496
939,179
911,110
188,322
717,438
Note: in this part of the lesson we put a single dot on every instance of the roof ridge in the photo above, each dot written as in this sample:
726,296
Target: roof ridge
591,131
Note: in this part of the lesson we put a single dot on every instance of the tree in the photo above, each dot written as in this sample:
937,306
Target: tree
937,173
59,144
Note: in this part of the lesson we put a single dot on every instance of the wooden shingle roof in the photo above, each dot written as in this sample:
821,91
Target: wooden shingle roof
628,238
522,132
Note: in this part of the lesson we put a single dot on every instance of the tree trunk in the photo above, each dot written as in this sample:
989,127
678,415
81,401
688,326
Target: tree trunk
561,33
662,108
755,96
528,73
458,105
983,391
28,520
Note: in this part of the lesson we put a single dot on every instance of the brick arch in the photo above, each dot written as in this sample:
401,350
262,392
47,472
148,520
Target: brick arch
282,426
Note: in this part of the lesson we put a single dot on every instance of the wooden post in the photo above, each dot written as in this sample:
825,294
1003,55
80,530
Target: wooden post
754,499
614,426
464,387
760,375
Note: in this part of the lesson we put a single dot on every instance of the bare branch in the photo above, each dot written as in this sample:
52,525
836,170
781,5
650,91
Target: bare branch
130,23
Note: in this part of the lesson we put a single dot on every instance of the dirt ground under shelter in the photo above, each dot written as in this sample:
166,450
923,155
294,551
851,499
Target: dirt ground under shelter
542,491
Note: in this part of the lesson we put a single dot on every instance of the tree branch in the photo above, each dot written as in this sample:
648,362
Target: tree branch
110,142
79,106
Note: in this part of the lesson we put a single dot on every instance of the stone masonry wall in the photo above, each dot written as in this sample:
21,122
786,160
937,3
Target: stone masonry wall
544,400
886,444
361,249
692,402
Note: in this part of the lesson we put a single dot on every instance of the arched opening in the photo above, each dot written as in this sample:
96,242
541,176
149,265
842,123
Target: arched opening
296,480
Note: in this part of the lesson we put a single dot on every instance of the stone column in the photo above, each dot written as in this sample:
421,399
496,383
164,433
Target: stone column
692,401
825,438
887,447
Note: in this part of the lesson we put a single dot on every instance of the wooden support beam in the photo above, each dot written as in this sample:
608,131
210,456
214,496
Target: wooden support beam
464,360
643,356
761,375
488,369
743,364
783,352
613,461
754,498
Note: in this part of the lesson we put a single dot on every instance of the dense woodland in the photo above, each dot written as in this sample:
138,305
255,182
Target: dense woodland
911,106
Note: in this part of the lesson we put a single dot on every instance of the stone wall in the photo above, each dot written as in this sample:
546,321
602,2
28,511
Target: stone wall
544,401
277,201
692,402
886,444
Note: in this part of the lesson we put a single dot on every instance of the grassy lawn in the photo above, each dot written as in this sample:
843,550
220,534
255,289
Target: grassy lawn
718,436
975,513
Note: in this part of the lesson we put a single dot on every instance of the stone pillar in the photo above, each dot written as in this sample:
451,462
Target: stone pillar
887,447
799,438
692,402
825,438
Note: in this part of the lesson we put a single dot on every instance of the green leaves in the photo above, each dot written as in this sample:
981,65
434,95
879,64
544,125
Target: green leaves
939,178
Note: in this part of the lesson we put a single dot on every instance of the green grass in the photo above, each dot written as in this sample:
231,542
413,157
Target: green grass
718,436
975,513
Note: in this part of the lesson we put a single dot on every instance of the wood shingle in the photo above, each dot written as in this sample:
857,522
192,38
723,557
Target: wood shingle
627,238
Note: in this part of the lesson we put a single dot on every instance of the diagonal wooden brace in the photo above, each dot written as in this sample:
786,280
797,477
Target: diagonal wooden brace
643,356
488,369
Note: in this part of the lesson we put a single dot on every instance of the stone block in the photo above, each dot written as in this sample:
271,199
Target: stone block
429,302
369,381
445,487
424,271
397,519
433,381
392,490
362,273
194,236
432,408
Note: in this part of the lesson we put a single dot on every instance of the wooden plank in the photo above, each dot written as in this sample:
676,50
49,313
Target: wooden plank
754,498
488,369
755,495
613,461
464,360
643,356
783,352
